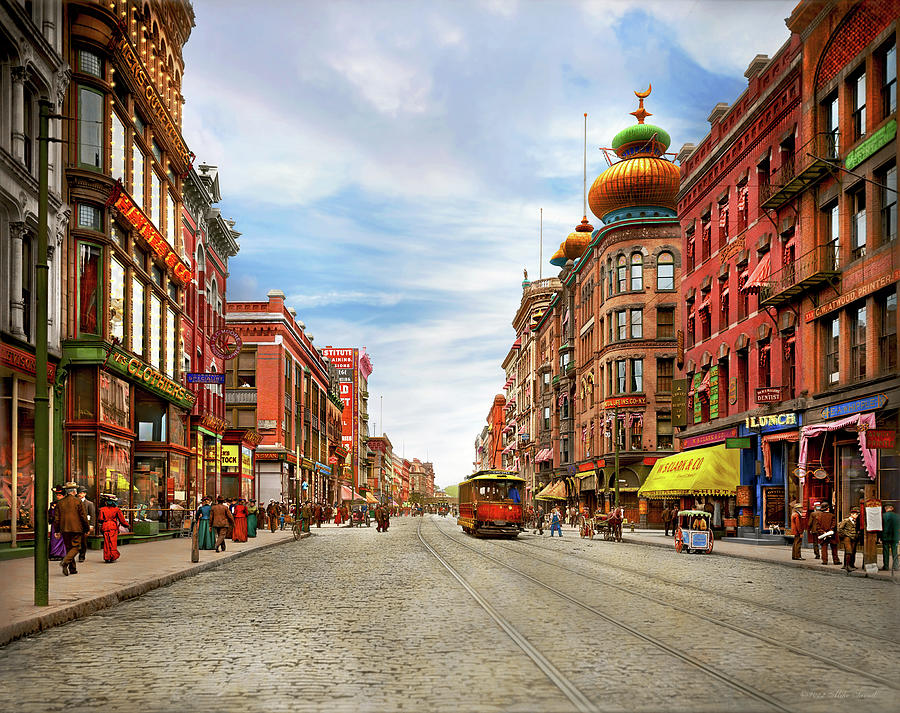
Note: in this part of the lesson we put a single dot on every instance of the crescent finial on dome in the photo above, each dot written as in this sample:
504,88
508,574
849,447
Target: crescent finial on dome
642,113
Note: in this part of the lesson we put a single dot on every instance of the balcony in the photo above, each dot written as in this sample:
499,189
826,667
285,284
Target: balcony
819,266
801,171
240,397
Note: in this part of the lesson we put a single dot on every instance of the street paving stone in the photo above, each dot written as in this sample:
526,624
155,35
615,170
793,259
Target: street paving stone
354,620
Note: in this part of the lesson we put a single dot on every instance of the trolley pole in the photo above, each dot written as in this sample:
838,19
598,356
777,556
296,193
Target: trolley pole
41,397
616,439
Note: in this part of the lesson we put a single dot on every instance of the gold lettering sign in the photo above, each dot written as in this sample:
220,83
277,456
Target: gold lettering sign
147,376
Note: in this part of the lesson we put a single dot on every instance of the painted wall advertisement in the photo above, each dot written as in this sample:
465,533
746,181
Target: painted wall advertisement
344,360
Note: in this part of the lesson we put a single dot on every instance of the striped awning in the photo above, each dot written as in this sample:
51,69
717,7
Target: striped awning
759,276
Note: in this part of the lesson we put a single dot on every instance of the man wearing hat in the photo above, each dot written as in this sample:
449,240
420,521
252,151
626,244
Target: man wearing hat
847,532
71,523
796,531
812,527
91,511
221,520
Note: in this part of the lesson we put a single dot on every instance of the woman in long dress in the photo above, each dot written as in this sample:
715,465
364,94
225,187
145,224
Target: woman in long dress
205,538
240,522
110,518
57,544
252,516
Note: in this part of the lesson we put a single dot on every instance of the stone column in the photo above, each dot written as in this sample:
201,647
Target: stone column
16,302
18,113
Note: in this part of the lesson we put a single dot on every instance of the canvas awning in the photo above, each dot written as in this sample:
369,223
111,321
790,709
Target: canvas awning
554,491
370,498
759,276
702,471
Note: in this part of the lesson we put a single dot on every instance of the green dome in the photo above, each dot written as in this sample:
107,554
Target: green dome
641,132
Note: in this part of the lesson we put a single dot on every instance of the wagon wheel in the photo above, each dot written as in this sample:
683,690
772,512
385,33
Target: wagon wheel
709,548
608,534
679,540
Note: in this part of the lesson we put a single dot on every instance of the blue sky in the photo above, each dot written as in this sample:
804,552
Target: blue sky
386,163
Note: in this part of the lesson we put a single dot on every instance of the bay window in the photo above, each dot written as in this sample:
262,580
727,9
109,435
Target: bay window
118,148
137,176
117,300
90,128
138,320
155,350
90,260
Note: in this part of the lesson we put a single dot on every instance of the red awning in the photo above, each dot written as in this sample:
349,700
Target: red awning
759,276
517,344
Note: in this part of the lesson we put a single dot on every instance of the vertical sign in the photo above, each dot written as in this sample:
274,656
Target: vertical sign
732,390
679,402
344,360
714,392
698,406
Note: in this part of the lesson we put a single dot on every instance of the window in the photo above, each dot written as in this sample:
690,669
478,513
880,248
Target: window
665,372
90,261
140,126
664,432
743,379
723,305
637,271
858,342
89,216
832,123
723,223
171,223
171,336
546,418
137,175
665,322
246,371
564,450
621,376
89,63
150,418
887,335
765,364
858,223
789,367
29,128
637,375
156,327
637,324
117,148
832,347
888,180
116,300
622,274
173,292
833,232
156,200
157,151
621,325
90,128
138,320
665,272
157,274
706,239
889,81
858,98
705,320
723,387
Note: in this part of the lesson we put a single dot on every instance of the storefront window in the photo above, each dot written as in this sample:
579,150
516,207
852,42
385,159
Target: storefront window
853,478
150,415
83,459
89,264
137,316
115,407
176,426
117,300
155,330
149,487
212,468
177,484
18,413
118,148
137,176
82,385
171,331
115,469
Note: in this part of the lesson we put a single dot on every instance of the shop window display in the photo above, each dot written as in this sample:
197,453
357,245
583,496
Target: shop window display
115,406
81,384
89,299
149,483
18,411
177,483
115,468
150,415
83,459
117,300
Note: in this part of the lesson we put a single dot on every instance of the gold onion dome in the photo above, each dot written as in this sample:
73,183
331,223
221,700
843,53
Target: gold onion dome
642,184
574,246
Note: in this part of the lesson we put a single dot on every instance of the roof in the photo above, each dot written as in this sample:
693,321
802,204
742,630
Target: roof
702,513
494,475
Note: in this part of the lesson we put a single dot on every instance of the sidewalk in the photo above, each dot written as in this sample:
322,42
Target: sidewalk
98,585
772,554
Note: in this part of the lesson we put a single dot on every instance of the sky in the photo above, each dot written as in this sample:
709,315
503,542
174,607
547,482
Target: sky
387,162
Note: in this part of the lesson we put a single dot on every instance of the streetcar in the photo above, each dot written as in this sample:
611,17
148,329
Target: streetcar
694,531
490,503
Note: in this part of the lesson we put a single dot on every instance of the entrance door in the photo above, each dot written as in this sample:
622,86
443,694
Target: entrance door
851,476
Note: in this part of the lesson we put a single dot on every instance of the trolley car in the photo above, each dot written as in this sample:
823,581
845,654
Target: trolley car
490,503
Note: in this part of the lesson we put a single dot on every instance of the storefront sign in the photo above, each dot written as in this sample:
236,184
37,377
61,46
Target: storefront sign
774,422
225,344
679,402
732,249
738,443
714,391
121,201
870,403
23,361
708,438
744,496
323,469
132,66
204,378
213,423
854,294
679,347
880,138
246,462
774,508
269,455
230,456
768,394
698,402
251,437
881,438
307,463
625,401
148,377
732,390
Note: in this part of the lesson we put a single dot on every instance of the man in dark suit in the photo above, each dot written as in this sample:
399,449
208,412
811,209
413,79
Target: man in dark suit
71,524
221,519
91,511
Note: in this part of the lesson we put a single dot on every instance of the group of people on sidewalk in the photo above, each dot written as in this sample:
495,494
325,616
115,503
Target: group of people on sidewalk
536,518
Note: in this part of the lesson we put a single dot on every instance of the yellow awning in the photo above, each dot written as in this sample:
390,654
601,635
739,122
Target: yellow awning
554,491
703,471
371,498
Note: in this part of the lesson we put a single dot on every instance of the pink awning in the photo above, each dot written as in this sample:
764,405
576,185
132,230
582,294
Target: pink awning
867,420
759,276
346,493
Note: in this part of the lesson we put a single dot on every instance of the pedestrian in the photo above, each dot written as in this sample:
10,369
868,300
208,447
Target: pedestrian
205,536
827,537
239,534
329,511
666,515
796,531
221,520
673,514
272,513
229,503
338,515
111,518
57,544
615,522
385,518
847,532
91,511
538,521
890,534
555,524
812,527
252,518
318,514
71,524
282,514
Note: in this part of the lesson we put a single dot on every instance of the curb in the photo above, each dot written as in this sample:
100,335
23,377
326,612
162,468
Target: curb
86,607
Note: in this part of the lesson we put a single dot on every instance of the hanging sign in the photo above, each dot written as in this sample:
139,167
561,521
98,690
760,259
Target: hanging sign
881,438
869,403
880,138
679,402
204,378
225,343
768,394
732,390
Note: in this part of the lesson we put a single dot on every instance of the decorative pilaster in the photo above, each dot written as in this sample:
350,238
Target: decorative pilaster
18,113
16,301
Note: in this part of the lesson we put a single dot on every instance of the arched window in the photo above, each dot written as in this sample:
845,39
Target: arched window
637,271
622,274
201,258
611,276
214,297
665,272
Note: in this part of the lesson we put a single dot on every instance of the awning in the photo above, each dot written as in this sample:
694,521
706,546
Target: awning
702,471
545,454
346,493
370,498
554,491
759,276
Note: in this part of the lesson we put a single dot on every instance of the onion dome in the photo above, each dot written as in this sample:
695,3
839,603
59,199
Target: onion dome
642,184
574,246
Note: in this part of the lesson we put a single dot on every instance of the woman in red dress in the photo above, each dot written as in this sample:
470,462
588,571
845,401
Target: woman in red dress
110,518
240,521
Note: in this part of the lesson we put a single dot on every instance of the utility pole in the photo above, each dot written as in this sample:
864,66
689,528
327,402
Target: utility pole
41,397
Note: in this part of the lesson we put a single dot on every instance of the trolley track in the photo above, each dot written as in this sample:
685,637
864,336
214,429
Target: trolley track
828,661
691,661
733,597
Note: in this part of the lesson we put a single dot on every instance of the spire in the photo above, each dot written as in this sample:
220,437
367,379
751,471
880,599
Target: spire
642,113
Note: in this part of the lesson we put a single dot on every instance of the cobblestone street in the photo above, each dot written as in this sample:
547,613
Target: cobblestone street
352,620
